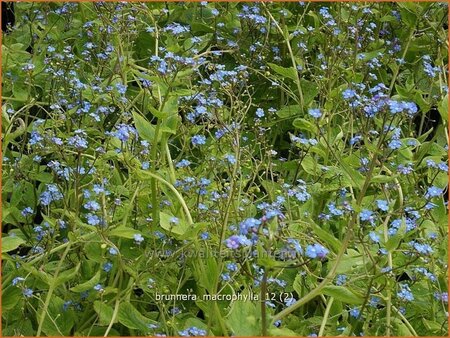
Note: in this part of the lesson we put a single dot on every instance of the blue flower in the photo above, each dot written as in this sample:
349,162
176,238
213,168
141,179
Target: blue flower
366,216
374,237
51,194
138,238
315,112
77,142
341,279
333,210
260,112
405,169
354,312
348,94
176,29
423,249
121,88
290,301
198,140
382,205
93,219
92,205
183,163
316,251
234,242
27,212
225,277
443,167
192,332
232,267
249,225
28,67
395,144
27,292
230,158
295,245
124,132
405,293
107,266
17,280
433,192
204,236
98,287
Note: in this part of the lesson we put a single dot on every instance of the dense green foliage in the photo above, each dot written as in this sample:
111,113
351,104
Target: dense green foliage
167,166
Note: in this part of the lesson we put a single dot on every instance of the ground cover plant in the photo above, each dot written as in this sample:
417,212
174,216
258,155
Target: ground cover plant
192,169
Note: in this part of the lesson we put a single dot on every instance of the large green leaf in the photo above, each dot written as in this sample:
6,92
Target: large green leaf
343,294
132,318
124,232
443,108
11,243
309,90
58,322
288,111
104,312
243,319
144,128
290,72
174,228
88,285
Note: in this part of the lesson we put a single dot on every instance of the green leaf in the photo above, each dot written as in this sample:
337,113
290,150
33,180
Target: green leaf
288,111
304,124
104,312
290,72
58,322
10,297
11,243
400,329
166,224
309,90
144,128
333,243
310,165
350,261
283,332
132,318
170,124
297,285
243,320
87,285
352,175
370,55
191,232
67,275
343,294
443,108
393,242
20,91
124,232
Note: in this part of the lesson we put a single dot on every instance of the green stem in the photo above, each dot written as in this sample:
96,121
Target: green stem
175,191
155,206
285,35
389,292
51,290
405,321
345,243
116,308
397,70
325,316
263,305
